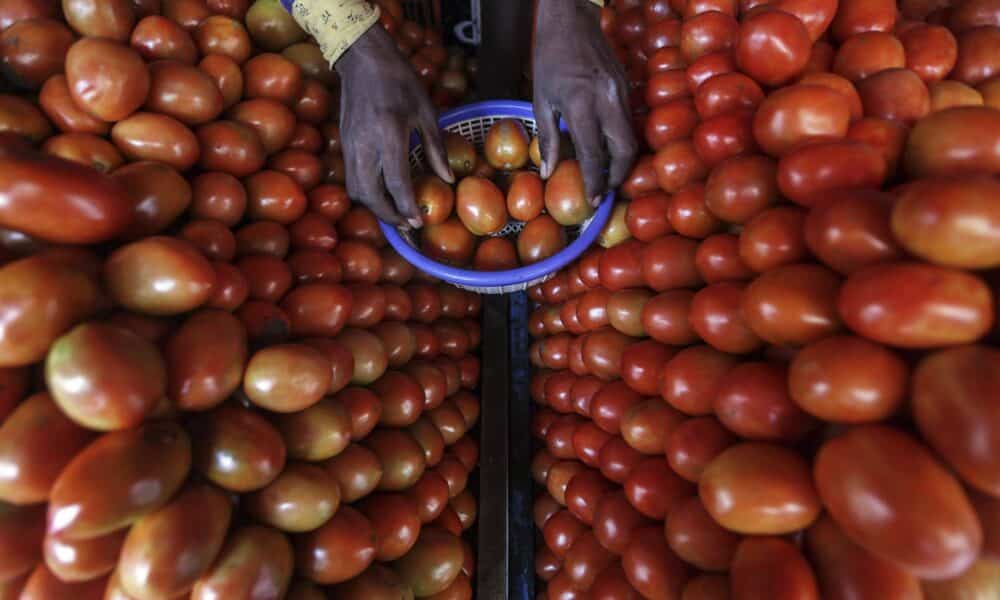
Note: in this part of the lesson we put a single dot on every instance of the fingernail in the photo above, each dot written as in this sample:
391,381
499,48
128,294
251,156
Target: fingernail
596,200
545,170
415,222
451,176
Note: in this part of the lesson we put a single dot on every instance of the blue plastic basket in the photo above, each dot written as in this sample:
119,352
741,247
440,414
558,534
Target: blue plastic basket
472,122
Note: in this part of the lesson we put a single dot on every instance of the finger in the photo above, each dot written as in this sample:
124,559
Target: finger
367,189
364,185
396,171
584,128
622,145
434,150
548,136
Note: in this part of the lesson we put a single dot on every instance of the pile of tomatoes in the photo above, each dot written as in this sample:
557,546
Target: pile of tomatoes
216,379
782,381
469,224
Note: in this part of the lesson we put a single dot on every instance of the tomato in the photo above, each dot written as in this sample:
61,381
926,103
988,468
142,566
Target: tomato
759,489
401,457
159,38
541,238
231,147
642,366
670,122
885,465
666,263
321,309
584,492
651,567
36,442
560,474
697,539
717,259
948,392
646,425
708,32
565,196
772,567
105,378
339,550
852,230
57,103
979,579
506,145
433,563
654,490
226,75
616,522
106,79
799,113
931,214
83,560
752,401
546,564
273,122
93,496
162,557
772,47
960,310
34,50
951,143
641,180
357,470
231,289
212,238
360,261
253,558
741,187
586,559
715,316
976,61
618,459
846,570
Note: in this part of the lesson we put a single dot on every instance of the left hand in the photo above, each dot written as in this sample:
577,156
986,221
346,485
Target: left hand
576,76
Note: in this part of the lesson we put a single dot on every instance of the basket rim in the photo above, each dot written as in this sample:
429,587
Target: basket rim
494,279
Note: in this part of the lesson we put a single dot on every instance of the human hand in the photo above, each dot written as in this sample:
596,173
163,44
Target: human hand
382,102
577,76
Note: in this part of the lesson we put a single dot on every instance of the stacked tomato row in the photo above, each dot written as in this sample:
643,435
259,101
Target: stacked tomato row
216,379
778,379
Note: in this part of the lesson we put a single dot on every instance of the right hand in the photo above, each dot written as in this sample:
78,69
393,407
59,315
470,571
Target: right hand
382,102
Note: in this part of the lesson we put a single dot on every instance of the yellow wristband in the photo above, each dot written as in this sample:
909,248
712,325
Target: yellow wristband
336,24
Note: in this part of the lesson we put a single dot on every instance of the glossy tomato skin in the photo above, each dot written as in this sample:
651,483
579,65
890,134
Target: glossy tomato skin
771,567
339,550
885,464
83,560
793,304
80,206
91,496
716,317
118,378
929,216
759,489
651,567
694,444
697,539
941,307
753,402
949,389
252,556
36,442
845,570
950,143
168,549
799,113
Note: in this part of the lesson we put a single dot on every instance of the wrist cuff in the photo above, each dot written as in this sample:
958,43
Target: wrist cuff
336,24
